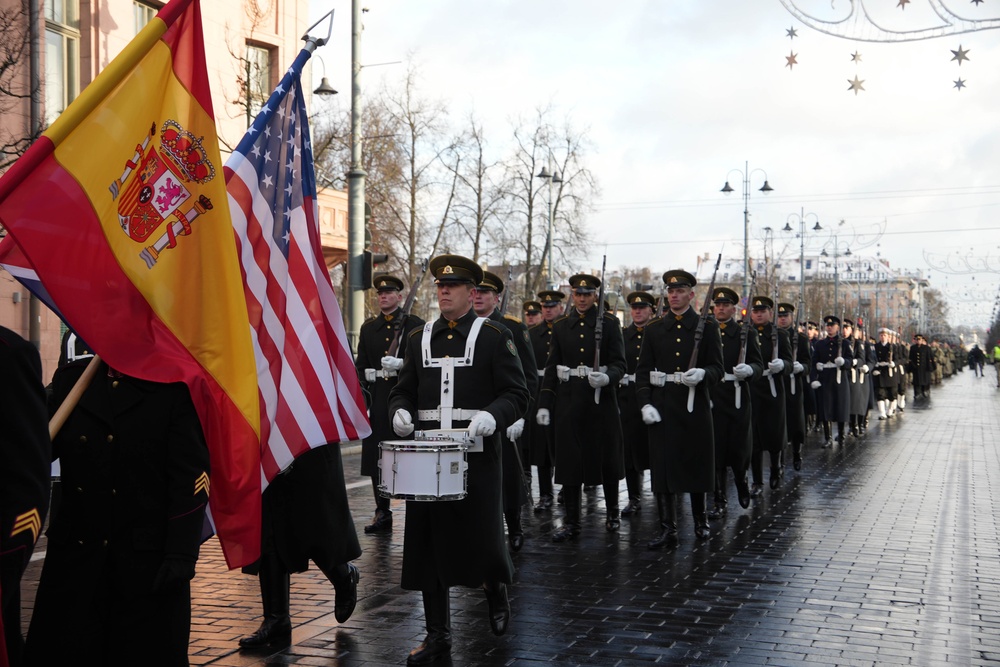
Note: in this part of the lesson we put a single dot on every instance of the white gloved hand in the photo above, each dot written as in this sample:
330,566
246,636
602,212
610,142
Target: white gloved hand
865,368
876,372
854,362
819,366
483,423
391,363
839,361
515,430
743,371
892,364
650,415
692,377
797,367
816,384
402,423
598,379
542,417
775,366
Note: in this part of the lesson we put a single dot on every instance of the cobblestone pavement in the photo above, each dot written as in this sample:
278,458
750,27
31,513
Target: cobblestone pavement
882,551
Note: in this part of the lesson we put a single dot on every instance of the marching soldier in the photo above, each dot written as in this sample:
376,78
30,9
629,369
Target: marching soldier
795,417
542,448
514,492
731,417
532,313
884,374
635,431
855,374
25,455
768,396
460,371
809,400
830,356
378,373
682,446
581,404
902,378
922,365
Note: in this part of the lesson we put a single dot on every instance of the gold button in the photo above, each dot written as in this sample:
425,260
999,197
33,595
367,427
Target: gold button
581,335
677,354
114,492
678,326
581,349
639,336
83,438
79,489
114,385
450,336
678,340
111,438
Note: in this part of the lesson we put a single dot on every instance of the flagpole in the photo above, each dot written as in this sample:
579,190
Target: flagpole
74,396
355,193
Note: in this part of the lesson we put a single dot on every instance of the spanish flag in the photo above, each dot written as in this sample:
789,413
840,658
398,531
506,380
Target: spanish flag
121,210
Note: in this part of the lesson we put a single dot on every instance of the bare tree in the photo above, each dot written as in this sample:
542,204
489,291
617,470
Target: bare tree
252,84
15,85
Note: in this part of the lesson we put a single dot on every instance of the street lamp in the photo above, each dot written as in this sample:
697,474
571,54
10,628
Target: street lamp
552,178
726,189
802,215
836,269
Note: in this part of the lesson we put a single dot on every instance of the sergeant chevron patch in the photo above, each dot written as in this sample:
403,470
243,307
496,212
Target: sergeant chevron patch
30,520
202,484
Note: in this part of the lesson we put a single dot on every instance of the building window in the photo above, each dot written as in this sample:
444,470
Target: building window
809,263
257,75
142,14
62,64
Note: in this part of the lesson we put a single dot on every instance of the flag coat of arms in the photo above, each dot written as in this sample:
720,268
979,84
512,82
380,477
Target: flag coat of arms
308,385
120,211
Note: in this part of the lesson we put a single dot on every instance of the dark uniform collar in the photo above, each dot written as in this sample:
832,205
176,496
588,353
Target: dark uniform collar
462,325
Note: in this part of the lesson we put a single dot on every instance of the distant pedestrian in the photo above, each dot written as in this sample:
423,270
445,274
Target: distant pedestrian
977,359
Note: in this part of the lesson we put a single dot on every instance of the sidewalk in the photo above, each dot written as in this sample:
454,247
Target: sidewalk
882,551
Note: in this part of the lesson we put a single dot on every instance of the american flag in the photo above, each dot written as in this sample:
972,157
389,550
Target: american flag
309,390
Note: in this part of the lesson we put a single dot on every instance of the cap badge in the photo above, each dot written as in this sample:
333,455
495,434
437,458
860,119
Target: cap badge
583,283
673,279
447,270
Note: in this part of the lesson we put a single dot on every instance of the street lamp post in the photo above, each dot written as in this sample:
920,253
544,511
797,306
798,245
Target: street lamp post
836,269
355,192
802,215
726,189
552,179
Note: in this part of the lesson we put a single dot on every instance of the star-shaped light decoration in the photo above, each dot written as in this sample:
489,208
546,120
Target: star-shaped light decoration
976,2
960,55
960,84
903,3
792,33
856,57
791,60
856,85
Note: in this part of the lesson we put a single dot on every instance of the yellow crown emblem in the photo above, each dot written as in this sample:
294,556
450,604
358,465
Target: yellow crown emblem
447,270
758,302
720,295
382,284
673,279
637,299
583,283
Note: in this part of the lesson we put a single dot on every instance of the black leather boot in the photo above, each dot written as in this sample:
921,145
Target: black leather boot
275,631
344,578
570,527
797,455
613,522
701,529
718,510
633,482
667,537
499,606
437,615
742,488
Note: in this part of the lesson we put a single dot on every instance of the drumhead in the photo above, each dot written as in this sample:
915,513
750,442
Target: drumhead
423,446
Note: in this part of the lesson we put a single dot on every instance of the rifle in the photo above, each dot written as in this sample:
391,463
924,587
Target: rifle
795,353
774,338
699,332
399,326
840,343
744,334
663,301
506,292
599,330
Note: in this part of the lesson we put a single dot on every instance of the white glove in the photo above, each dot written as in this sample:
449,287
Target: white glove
839,361
743,371
797,367
876,373
482,423
892,364
816,384
864,368
692,377
542,417
775,366
819,366
391,363
650,415
402,423
854,362
598,379
515,430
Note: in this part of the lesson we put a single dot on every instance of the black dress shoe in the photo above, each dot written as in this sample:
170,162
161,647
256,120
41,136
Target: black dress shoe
499,606
381,523
797,463
347,594
565,532
667,538
828,443
743,492
718,511
633,506
756,490
430,651
544,503
613,522
702,532
775,479
273,633
559,497
516,541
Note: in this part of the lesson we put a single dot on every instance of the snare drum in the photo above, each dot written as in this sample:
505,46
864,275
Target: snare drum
423,469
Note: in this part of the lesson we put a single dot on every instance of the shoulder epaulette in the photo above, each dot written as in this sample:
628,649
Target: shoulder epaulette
493,325
415,330
560,318
512,318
